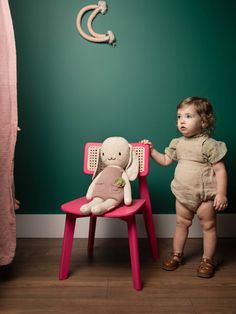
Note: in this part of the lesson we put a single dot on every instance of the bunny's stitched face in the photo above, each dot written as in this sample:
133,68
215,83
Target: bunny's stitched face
115,151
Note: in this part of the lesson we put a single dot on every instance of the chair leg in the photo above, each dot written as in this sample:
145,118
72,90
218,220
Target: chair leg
148,219
92,229
67,246
134,253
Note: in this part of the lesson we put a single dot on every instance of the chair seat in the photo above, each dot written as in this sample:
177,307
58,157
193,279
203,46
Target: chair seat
73,207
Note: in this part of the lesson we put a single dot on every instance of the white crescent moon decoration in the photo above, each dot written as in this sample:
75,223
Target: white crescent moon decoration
101,7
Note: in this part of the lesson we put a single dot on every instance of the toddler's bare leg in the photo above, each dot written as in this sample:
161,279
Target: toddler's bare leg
184,219
86,208
207,217
105,206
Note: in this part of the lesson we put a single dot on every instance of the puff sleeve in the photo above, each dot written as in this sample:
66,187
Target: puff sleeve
213,151
170,151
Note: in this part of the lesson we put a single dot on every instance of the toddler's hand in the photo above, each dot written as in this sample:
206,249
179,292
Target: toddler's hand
220,202
147,142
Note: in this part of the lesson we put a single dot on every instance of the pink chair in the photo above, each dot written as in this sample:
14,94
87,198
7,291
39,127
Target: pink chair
125,213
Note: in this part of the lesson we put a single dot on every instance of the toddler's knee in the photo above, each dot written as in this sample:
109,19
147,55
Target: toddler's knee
183,222
208,225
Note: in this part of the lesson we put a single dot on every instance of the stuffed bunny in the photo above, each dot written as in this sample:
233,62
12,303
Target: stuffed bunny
111,186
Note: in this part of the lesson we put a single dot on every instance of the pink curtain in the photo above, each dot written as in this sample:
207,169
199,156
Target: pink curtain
8,131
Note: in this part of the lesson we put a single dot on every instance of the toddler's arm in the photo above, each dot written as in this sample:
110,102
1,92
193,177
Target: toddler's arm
220,201
161,159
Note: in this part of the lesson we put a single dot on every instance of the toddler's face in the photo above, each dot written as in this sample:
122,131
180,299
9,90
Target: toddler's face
189,122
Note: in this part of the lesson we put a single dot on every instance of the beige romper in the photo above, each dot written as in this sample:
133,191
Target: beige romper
194,180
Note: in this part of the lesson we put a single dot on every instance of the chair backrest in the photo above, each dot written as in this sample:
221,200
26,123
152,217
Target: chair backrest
91,156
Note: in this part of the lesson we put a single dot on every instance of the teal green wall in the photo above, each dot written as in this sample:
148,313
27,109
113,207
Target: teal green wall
71,91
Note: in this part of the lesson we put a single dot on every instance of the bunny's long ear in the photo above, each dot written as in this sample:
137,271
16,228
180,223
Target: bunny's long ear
98,163
132,168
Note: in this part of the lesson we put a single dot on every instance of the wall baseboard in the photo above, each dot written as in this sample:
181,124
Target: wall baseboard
52,226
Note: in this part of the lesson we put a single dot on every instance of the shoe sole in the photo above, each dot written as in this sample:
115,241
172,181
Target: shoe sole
169,269
205,275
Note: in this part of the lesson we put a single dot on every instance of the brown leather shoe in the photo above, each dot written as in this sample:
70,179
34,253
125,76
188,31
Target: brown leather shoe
173,261
206,268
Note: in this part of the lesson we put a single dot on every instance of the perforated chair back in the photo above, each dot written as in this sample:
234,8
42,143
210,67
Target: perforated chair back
91,152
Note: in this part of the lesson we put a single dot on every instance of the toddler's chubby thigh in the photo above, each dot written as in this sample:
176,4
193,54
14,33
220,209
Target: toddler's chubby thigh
184,216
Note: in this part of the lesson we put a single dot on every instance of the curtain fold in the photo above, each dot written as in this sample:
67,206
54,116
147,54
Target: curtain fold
8,133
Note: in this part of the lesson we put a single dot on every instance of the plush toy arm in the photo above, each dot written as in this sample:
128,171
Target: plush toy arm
127,190
90,191
89,194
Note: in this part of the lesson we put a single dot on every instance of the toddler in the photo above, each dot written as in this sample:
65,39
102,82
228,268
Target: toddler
200,180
